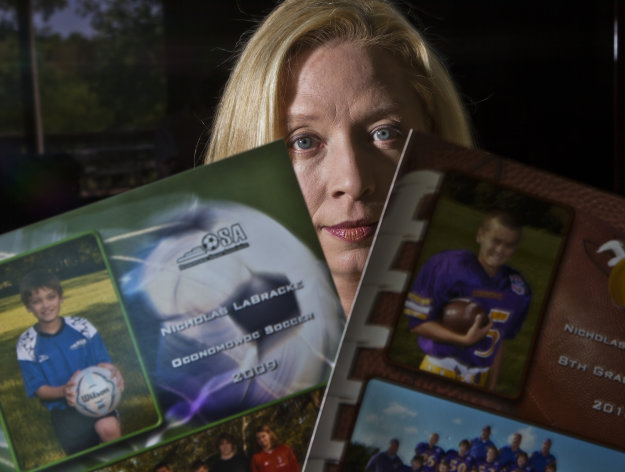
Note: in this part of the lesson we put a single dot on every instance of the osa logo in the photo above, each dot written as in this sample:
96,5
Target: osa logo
220,243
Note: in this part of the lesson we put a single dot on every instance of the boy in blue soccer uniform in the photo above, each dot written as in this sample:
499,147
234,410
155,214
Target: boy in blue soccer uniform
475,356
51,353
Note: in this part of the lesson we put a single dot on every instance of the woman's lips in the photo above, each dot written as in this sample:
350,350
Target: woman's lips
352,231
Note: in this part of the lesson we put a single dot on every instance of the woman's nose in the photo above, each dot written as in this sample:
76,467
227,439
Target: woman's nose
350,170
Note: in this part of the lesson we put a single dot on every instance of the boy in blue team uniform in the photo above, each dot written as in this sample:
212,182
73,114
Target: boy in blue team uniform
474,356
51,353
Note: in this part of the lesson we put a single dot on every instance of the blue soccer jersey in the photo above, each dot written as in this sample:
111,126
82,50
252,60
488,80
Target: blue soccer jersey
46,359
458,274
431,455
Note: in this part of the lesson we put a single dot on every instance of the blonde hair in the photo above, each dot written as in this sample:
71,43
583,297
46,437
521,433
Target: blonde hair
251,110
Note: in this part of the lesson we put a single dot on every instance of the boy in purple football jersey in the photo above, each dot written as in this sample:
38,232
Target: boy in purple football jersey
461,460
416,465
489,463
431,453
521,463
474,356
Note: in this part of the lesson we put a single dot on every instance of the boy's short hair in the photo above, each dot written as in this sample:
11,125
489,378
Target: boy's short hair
504,217
227,437
37,279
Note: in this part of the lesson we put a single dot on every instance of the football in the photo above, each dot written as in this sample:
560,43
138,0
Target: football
97,394
460,313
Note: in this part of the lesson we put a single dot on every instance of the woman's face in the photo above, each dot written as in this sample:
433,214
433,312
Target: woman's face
348,111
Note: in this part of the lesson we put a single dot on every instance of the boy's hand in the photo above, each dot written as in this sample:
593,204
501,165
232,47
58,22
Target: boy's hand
70,391
115,374
477,332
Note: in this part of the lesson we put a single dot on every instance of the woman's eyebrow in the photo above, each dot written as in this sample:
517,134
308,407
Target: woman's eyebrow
385,109
292,118
375,112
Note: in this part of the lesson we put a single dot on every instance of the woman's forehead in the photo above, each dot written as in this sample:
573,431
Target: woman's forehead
341,61
347,77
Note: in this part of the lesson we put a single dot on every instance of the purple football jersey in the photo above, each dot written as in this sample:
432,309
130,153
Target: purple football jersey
458,274
458,463
431,456
483,466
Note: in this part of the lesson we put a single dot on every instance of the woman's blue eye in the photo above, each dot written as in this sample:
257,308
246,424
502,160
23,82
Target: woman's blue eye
383,134
303,143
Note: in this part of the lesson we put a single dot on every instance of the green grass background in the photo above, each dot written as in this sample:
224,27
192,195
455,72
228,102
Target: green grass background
454,226
28,423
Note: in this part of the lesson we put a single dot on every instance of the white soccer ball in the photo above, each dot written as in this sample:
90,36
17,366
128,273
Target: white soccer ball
97,394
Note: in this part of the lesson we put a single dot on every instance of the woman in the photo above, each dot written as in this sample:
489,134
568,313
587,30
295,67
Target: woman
272,455
342,81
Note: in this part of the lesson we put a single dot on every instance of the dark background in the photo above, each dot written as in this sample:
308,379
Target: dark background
128,104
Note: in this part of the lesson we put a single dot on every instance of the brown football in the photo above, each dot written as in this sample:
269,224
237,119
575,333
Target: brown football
460,313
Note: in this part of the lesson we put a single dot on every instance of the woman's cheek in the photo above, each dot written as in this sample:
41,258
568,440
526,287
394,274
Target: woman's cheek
311,184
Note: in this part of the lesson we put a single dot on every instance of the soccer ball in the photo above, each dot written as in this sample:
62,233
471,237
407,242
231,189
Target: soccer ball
97,394
221,348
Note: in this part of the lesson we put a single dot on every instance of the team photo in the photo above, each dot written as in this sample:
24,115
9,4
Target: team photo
399,429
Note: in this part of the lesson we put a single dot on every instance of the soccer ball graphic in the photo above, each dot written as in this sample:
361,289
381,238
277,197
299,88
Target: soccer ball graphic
97,394
236,311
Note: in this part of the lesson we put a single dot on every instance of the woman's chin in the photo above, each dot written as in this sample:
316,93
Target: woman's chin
347,265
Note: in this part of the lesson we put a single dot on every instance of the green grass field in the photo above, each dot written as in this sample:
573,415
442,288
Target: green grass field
28,423
453,227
